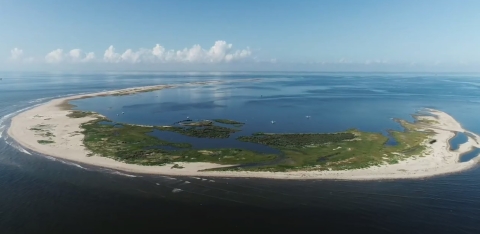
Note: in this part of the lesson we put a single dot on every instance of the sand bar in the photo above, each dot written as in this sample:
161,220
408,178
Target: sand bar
68,144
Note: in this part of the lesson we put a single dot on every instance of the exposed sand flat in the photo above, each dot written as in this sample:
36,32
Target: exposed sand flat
50,119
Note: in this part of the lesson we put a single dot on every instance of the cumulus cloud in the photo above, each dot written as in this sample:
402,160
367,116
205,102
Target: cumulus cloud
111,56
218,53
16,54
89,57
55,56
73,56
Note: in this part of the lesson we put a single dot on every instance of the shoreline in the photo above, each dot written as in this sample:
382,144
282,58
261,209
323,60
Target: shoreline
68,145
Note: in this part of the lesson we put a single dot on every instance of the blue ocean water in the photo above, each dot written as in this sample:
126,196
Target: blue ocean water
42,194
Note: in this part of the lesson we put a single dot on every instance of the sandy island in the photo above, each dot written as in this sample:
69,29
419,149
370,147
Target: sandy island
68,144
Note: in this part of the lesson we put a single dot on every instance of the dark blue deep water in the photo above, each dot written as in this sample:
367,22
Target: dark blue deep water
42,195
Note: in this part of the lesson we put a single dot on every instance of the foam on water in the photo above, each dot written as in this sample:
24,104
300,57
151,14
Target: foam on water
72,164
7,116
170,178
38,100
17,147
2,128
122,174
50,158
176,190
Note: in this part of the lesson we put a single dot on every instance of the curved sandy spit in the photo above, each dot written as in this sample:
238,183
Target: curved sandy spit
69,146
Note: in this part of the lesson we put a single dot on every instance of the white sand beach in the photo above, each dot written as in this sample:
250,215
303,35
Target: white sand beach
68,144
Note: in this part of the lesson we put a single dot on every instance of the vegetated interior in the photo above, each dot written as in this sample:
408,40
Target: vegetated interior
323,151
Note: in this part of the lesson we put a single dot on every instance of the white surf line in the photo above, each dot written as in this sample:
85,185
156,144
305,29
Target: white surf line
115,172
73,164
123,174
17,147
2,128
176,190
7,116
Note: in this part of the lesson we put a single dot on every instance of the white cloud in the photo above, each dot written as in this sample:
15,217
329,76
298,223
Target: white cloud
111,56
16,54
77,55
73,56
218,53
55,56
89,57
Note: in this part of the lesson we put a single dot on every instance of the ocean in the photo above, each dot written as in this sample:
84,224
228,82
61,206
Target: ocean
41,194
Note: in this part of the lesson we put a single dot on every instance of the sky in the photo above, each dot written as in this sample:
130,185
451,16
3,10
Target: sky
247,35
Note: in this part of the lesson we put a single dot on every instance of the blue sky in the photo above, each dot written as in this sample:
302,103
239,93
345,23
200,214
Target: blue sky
343,35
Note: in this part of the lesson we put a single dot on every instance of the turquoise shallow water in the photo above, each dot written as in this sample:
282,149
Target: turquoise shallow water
41,194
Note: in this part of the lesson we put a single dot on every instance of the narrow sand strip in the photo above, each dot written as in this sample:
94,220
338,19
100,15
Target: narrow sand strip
68,144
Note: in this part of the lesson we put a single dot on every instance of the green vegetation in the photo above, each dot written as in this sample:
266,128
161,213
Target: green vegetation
65,105
133,144
43,130
294,140
228,121
80,114
138,90
330,151
177,166
203,123
211,131
43,142
341,151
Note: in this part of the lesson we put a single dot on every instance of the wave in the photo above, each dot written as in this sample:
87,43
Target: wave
176,190
64,162
38,100
73,164
122,174
7,116
2,128
17,147
50,158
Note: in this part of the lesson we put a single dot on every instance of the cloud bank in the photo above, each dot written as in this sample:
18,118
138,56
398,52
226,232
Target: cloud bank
74,56
220,52
16,54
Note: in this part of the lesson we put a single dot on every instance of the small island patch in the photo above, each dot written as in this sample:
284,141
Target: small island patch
229,121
